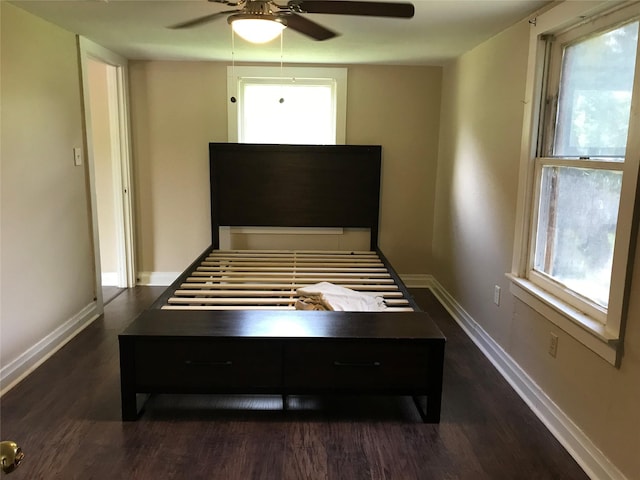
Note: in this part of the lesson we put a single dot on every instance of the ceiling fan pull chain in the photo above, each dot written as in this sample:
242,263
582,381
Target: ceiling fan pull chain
233,53
233,61
281,74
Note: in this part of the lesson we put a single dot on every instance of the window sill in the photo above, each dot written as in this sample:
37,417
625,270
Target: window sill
584,329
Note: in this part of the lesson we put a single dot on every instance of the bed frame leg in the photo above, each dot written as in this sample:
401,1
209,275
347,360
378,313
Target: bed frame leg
434,390
431,412
128,396
285,402
129,410
422,410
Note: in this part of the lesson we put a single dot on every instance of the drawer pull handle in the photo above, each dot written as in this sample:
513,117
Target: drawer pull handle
213,363
356,364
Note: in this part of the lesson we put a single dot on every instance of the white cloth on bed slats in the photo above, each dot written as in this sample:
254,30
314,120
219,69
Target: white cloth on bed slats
327,296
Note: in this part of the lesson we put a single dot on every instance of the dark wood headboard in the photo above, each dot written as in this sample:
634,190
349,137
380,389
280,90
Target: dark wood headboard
294,186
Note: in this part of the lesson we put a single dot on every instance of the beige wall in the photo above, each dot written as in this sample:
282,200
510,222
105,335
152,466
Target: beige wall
179,107
473,245
47,259
103,165
399,108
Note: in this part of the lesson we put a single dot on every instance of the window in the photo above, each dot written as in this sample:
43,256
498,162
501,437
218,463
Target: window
576,229
292,105
581,170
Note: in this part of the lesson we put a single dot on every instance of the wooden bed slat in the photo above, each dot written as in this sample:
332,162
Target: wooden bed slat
310,280
290,260
266,279
259,298
249,301
256,307
231,301
262,293
291,274
290,253
308,265
295,268
227,307
291,285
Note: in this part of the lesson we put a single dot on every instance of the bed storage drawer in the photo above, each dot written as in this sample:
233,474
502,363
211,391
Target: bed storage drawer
256,352
206,364
355,365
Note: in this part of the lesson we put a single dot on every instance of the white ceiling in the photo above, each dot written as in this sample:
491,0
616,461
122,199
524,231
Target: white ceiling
137,29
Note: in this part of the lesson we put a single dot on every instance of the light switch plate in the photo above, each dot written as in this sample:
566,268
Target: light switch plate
77,156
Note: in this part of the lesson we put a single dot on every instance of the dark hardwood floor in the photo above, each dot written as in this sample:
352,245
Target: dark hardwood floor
109,293
66,417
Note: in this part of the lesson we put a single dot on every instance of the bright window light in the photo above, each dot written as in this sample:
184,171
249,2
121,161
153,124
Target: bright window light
287,113
287,105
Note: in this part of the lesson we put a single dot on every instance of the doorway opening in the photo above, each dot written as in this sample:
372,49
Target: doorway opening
109,168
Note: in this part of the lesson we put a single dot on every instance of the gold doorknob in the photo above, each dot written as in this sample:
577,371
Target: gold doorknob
10,456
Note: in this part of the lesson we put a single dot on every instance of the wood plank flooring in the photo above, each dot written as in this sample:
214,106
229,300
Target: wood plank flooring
66,417
109,293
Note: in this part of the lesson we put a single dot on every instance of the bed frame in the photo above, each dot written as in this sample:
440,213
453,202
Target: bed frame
202,335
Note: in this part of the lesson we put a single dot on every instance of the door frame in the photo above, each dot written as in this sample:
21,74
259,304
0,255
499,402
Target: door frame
121,150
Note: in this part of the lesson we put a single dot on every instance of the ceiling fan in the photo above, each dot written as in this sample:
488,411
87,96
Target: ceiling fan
253,15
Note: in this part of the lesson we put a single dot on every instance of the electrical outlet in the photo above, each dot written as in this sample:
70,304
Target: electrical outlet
496,295
553,345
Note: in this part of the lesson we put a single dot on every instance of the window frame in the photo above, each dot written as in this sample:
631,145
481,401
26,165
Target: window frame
572,298
601,330
337,77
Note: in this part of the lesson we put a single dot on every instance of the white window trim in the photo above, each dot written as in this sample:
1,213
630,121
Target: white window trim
606,340
338,75
590,309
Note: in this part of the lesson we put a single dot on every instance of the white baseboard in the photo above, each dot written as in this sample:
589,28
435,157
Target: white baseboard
13,372
595,464
110,279
157,279
416,280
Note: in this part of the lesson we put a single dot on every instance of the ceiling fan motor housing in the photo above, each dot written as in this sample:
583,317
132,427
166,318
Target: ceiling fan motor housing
259,10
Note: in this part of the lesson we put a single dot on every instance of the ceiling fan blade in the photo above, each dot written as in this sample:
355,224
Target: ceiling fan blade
309,28
201,20
346,7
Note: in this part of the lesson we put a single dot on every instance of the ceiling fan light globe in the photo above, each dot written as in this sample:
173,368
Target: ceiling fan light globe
257,30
